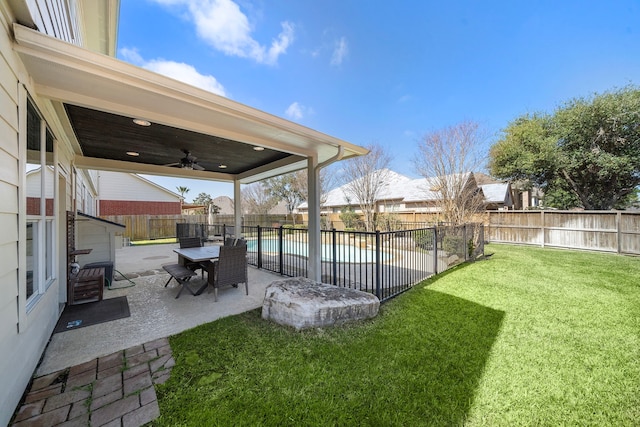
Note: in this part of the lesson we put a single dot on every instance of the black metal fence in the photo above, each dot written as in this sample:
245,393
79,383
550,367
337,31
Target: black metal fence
383,263
206,232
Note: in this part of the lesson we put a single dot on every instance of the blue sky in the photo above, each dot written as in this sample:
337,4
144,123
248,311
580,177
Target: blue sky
386,72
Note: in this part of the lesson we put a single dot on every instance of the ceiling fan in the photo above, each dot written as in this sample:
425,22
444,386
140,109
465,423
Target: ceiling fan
187,162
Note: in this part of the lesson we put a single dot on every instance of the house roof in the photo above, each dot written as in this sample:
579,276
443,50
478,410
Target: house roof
407,190
225,203
496,193
341,196
96,98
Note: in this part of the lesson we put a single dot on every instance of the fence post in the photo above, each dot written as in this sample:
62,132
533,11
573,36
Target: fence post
464,240
259,247
619,231
334,257
544,234
378,293
280,254
435,250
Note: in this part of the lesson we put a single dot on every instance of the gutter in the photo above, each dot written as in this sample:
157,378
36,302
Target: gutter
333,159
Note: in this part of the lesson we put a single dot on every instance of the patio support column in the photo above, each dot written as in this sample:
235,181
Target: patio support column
237,209
313,174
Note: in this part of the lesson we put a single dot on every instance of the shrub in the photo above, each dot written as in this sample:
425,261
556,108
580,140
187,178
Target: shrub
424,239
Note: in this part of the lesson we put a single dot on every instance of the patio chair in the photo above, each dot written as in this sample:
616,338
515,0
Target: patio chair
229,269
192,242
231,241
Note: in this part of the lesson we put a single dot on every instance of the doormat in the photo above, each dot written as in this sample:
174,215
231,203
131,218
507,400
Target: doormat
92,313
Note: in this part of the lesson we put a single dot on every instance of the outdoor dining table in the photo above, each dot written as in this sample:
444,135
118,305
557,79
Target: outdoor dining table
198,254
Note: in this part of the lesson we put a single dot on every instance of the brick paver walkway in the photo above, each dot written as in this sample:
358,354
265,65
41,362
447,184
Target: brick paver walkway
114,390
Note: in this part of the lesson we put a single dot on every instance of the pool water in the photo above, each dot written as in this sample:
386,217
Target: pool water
344,253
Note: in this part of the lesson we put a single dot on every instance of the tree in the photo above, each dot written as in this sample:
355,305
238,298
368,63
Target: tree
447,158
365,178
206,200
182,190
290,188
203,199
587,154
257,199
349,218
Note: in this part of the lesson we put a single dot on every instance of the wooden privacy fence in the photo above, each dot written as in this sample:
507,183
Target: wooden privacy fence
149,227
608,231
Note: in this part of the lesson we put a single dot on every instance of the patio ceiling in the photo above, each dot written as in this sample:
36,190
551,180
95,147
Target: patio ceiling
97,97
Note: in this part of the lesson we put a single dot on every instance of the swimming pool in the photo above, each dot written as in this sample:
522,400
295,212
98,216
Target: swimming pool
344,253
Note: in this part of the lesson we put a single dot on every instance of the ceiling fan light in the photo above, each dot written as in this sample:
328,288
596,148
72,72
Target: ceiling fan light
222,166
187,166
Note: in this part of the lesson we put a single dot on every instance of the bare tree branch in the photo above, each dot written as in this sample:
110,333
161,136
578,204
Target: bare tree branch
364,178
256,199
447,158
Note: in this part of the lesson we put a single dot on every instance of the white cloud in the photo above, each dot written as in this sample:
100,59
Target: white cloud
131,55
186,73
226,28
296,111
340,51
176,70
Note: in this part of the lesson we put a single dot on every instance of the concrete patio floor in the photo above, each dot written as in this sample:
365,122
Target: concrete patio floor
155,312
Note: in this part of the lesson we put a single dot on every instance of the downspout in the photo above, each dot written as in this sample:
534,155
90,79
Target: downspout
333,159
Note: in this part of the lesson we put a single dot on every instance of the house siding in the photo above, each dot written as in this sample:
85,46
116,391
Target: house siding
24,332
126,186
12,373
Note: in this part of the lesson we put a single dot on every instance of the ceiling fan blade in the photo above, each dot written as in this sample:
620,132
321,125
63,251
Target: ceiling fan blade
197,167
173,164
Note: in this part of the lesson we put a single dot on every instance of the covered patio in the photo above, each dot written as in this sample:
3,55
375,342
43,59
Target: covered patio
122,118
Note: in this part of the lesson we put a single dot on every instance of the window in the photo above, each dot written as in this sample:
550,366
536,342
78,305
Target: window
40,193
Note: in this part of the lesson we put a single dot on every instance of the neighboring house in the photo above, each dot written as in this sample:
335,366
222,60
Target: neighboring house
402,194
131,194
524,199
225,203
85,192
279,209
498,196
389,197
192,209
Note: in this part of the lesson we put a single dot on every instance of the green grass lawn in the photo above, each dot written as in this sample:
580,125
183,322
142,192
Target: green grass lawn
528,336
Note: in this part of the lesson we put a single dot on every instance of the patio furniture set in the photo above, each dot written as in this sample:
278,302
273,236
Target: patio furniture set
225,265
